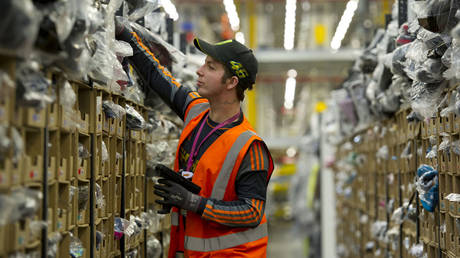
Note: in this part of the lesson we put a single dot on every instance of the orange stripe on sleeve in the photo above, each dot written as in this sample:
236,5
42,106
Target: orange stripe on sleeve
261,155
252,159
165,72
256,153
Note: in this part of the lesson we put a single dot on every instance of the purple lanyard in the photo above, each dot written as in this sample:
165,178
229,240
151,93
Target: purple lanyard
194,152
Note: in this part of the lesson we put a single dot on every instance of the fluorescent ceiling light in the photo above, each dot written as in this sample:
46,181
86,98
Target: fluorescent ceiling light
289,93
170,9
230,8
239,36
344,23
289,24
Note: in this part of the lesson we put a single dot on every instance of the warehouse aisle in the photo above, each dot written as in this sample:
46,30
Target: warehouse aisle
282,242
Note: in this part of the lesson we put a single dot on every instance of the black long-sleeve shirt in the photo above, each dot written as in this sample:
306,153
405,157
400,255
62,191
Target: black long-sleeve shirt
251,182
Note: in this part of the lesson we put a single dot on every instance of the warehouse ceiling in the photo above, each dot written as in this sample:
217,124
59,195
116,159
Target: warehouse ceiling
319,68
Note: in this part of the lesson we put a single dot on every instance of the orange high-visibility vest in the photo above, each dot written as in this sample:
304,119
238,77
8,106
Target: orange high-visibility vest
216,173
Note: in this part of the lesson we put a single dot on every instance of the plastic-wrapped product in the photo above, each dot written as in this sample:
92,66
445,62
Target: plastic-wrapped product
33,88
67,98
131,254
6,209
105,152
36,227
383,153
414,117
378,229
5,142
83,197
122,227
427,187
445,144
100,199
456,147
83,153
113,110
407,153
99,238
432,153
398,59
424,97
76,248
87,21
134,120
141,11
154,247
436,15
26,203
417,251
162,49
404,35
19,22
103,59
53,244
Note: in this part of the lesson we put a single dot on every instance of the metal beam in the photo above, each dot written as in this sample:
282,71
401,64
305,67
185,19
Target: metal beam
294,56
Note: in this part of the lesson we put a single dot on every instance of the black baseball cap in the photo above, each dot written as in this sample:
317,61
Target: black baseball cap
234,55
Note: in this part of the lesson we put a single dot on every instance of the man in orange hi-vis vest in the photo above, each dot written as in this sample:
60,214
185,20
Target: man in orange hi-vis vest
218,150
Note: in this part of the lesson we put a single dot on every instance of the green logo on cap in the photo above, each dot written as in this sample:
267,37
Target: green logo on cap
239,70
224,42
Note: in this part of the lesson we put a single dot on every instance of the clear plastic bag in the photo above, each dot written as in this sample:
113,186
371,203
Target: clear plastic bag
113,110
18,27
53,244
383,153
134,120
83,197
424,97
407,151
456,147
33,88
67,96
427,186
76,248
445,144
157,45
432,153
99,195
142,11
154,247
436,15
83,153
27,202
417,251
105,152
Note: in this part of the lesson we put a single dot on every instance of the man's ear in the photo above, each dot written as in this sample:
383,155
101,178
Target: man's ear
232,82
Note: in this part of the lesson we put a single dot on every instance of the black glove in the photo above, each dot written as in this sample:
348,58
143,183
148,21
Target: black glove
176,195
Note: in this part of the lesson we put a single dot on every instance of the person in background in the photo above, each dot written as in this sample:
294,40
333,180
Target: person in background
218,149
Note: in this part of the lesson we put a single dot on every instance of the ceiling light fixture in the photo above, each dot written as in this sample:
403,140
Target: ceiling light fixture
289,24
289,93
170,9
344,23
230,8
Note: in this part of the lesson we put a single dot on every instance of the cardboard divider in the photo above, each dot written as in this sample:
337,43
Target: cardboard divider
52,206
66,157
7,103
73,200
84,234
97,173
53,154
83,164
34,142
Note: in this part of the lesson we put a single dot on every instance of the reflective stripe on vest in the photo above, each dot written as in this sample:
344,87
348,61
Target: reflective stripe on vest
195,111
218,190
174,218
226,241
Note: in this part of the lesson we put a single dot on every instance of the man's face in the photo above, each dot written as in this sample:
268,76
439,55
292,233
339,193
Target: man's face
210,78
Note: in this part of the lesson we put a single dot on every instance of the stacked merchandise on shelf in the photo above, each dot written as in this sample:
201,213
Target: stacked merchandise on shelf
79,132
397,163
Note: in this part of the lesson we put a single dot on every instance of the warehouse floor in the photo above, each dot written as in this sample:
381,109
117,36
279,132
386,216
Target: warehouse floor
282,242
